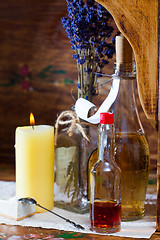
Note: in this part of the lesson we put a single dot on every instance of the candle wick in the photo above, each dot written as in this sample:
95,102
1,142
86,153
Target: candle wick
33,126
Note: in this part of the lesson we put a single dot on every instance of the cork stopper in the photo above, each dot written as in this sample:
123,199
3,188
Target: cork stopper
124,50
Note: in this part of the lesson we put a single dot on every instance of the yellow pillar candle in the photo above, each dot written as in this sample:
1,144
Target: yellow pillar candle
34,148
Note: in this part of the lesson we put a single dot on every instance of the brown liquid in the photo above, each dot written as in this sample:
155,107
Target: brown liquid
132,156
92,160
105,216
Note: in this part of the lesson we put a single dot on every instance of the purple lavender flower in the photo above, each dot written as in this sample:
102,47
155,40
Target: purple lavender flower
88,26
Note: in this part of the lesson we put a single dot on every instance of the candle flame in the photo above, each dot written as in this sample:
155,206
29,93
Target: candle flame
32,120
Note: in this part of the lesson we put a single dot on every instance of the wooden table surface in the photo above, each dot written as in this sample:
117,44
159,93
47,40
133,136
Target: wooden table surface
39,233
7,173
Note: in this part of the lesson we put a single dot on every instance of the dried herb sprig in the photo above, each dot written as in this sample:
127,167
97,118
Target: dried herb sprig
89,27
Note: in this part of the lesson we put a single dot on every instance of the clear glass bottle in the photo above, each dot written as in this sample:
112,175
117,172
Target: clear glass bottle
105,207
71,157
132,152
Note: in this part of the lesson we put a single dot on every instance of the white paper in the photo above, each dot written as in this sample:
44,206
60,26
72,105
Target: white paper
83,106
142,228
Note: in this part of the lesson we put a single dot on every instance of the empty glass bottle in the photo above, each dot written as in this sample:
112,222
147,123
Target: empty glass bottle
71,157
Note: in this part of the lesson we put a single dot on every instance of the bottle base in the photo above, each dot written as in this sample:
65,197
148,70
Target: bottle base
129,215
81,209
105,229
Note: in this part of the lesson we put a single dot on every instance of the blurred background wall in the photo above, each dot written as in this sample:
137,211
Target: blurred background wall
37,72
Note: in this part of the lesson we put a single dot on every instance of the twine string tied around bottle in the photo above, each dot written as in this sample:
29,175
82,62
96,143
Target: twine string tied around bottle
71,119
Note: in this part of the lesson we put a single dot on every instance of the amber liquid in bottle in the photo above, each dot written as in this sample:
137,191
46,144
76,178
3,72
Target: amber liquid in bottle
105,179
106,215
91,161
132,155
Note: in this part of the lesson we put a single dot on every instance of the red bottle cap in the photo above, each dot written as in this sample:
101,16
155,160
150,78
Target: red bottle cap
107,118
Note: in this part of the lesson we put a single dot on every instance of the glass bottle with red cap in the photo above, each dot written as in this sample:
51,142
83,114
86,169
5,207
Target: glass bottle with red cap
105,178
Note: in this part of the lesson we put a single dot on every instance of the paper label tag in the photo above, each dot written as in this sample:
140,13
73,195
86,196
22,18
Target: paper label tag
83,106
65,158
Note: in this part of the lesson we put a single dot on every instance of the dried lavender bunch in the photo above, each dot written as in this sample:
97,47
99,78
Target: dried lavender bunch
88,25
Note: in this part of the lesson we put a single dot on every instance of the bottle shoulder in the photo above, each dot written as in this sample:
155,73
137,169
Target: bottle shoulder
106,166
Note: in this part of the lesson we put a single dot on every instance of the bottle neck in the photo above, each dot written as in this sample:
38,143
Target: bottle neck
125,107
125,69
106,142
